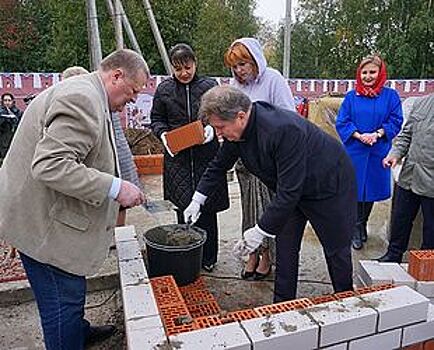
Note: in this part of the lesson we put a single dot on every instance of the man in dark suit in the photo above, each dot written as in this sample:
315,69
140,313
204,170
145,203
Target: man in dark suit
309,170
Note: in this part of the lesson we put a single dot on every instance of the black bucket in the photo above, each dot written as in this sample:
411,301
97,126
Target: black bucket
172,250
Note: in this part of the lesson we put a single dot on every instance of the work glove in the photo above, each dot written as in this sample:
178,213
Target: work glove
251,241
165,144
192,213
208,133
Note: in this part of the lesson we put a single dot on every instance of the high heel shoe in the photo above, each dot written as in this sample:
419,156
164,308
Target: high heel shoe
249,275
261,276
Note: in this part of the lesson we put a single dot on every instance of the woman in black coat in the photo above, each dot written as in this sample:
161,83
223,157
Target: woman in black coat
176,103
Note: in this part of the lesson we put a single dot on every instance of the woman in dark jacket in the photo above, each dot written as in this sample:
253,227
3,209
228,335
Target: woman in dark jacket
10,116
176,103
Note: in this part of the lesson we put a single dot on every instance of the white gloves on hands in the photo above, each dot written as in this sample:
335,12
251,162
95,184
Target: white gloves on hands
192,212
208,132
165,144
252,240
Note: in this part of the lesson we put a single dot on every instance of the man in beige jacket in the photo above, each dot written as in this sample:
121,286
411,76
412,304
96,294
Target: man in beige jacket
60,192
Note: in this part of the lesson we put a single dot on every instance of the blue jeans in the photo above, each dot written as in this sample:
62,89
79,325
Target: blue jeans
60,297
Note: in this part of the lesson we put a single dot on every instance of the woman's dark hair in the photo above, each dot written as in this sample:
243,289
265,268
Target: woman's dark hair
8,94
181,54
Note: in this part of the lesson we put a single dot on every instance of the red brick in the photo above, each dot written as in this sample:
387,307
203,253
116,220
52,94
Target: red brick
241,315
166,291
185,136
207,322
283,306
320,299
343,295
204,309
373,288
198,296
429,345
418,346
421,264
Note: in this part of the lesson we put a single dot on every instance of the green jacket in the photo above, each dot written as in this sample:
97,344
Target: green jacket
416,143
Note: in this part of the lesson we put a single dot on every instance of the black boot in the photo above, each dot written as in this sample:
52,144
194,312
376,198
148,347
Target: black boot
357,238
98,334
391,257
363,211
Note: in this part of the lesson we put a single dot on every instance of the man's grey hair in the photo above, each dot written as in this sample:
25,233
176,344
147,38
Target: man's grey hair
129,60
73,71
224,102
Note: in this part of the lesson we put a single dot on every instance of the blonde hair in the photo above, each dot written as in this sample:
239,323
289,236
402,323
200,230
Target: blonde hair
374,59
73,71
238,52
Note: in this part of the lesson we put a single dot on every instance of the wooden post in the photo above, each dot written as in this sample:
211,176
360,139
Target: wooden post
93,34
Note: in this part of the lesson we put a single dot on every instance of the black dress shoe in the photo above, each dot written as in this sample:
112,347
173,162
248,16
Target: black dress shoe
261,276
389,257
357,243
249,275
99,333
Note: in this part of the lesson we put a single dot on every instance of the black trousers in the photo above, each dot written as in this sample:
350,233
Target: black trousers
406,204
208,222
333,220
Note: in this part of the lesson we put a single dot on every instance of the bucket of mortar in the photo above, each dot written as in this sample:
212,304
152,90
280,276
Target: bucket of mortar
175,250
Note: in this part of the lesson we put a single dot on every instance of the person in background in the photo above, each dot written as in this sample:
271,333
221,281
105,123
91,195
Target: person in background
176,103
308,169
126,162
369,118
247,62
60,192
415,188
10,116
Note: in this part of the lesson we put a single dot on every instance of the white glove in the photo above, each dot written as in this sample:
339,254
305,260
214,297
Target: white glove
252,240
208,133
166,146
192,213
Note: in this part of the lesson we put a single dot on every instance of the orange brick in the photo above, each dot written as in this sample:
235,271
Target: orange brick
240,315
373,288
421,264
418,346
185,136
198,296
283,306
320,299
198,284
176,319
207,322
343,295
204,309
428,345
166,291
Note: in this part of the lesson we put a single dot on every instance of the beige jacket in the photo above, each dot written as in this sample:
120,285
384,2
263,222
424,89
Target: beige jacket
416,143
55,180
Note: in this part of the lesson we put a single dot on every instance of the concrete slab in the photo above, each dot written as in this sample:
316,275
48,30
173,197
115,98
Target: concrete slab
421,331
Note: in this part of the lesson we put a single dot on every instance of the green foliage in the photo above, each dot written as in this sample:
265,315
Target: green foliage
331,36
50,35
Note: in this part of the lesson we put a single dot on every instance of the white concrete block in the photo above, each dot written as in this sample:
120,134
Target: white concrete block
343,320
425,288
145,333
277,331
128,250
358,282
228,336
132,272
421,331
399,276
397,307
139,302
387,340
125,233
371,272
341,346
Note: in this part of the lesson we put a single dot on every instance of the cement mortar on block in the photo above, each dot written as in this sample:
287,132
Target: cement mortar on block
397,307
125,233
133,272
228,336
145,333
128,250
139,301
421,331
387,340
341,321
278,330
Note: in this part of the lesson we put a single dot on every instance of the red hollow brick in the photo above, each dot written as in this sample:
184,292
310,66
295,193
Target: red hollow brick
421,264
283,306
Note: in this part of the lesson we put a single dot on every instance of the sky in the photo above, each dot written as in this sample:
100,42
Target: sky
272,10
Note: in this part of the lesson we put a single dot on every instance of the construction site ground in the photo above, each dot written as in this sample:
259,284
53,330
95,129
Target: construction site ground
19,322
